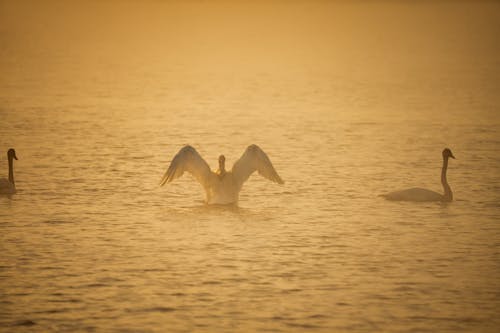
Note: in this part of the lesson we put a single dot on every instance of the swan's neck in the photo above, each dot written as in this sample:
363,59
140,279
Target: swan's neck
222,169
11,170
448,195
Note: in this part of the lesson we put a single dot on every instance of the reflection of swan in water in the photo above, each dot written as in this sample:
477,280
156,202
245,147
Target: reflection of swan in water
221,187
8,186
421,194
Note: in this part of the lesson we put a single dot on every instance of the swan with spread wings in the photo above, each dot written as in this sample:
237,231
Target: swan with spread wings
221,187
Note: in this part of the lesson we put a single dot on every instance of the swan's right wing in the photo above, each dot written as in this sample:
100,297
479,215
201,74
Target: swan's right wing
187,159
255,159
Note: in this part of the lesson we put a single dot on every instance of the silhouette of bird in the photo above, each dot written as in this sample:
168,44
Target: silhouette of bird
422,194
8,186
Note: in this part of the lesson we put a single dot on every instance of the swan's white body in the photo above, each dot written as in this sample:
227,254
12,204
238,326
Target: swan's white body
8,186
221,187
415,194
424,195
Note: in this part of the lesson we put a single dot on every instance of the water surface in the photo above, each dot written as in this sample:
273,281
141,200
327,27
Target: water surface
349,101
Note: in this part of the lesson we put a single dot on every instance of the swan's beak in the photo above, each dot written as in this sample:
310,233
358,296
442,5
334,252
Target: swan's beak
15,157
451,155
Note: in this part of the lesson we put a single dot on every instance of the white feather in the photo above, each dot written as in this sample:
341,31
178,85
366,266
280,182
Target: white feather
188,159
254,159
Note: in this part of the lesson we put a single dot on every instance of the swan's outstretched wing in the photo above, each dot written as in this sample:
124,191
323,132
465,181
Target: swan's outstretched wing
254,159
187,159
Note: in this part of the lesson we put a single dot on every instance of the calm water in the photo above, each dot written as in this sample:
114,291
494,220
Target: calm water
346,107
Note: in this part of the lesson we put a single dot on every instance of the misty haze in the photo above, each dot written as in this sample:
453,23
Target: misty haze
372,196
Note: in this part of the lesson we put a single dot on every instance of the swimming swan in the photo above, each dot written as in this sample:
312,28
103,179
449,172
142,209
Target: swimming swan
221,187
421,194
8,186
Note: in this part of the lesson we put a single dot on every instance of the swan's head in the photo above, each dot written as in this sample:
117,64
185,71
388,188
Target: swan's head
11,154
447,153
222,162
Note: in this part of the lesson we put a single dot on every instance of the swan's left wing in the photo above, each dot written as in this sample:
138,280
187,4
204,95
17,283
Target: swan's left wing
254,159
188,159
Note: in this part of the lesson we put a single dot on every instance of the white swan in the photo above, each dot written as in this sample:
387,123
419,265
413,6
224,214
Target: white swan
221,187
422,194
8,186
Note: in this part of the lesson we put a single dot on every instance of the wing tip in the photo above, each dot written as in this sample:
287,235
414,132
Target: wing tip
278,179
164,180
169,175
